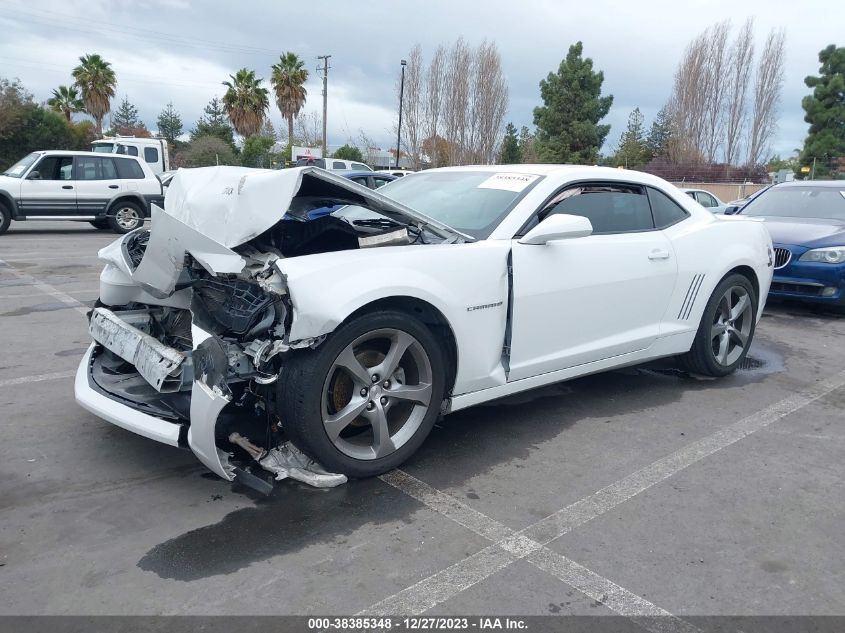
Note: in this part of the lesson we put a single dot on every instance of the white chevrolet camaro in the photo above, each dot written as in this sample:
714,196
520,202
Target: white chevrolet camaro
301,322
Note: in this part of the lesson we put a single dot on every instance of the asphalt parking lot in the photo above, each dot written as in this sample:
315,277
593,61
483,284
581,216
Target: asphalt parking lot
634,492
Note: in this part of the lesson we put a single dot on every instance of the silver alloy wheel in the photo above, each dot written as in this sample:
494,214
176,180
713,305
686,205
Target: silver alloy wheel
376,394
731,326
127,218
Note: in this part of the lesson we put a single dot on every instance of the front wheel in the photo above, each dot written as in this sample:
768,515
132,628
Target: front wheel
126,217
726,330
5,219
365,400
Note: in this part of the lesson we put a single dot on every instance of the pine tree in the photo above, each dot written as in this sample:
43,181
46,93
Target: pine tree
825,112
660,134
633,151
568,129
510,154
169,123
125,119
215,123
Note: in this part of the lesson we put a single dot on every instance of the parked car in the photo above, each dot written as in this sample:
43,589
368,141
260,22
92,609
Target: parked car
333,346
111,191
735,205
369,179
152,151
806,220
333,164
399,173
706,200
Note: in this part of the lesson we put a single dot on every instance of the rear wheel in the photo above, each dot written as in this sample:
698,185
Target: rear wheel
366,399
125,217
5,218
726,330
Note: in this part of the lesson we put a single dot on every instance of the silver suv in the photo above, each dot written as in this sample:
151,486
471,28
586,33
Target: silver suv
109,191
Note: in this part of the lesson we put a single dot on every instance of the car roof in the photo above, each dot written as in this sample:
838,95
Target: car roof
564,173
834,184
63,152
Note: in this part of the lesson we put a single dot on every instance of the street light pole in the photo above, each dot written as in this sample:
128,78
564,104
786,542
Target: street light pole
401,98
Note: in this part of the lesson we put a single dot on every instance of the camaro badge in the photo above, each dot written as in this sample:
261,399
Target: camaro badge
483,306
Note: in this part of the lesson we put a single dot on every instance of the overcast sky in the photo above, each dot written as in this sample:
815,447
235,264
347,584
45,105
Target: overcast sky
181,51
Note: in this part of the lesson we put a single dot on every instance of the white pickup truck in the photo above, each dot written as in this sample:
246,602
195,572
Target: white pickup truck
152,151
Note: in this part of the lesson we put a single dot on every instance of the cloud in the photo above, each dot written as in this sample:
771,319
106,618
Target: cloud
181,51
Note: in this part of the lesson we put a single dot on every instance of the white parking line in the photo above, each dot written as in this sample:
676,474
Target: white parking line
449,582
47,289
22,380
92,293
508,547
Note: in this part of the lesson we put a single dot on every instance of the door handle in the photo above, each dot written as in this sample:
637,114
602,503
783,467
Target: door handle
67,186
658,254
113,187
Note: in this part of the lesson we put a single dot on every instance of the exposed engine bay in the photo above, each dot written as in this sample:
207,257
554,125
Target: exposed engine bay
194,319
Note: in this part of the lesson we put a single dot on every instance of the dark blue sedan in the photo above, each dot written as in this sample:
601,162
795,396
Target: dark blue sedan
807,223
369,179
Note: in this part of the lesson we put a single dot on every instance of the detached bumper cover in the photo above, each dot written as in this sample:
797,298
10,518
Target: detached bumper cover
120,414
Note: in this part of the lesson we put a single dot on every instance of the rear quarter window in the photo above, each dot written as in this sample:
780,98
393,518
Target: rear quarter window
151,154
129,169
666,211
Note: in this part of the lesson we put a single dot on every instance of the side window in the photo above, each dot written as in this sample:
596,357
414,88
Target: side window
88,168
151,154
129,169
705,199
361,180
691,194
109,170
360,166
380,182
338,164
666,211
55,168
612,208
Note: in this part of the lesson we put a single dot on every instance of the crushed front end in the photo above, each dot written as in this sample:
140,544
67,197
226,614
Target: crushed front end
192,325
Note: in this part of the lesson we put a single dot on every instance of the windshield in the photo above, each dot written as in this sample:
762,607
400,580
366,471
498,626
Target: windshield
19,168
473,202
103,148
799,202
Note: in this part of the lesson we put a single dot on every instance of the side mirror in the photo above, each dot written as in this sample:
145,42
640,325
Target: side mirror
34,175
558,227
731,210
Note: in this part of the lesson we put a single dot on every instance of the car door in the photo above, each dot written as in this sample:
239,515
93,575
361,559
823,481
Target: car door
97,182
580,300
49,189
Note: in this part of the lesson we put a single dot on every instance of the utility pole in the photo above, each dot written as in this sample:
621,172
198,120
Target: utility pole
401,98
325,71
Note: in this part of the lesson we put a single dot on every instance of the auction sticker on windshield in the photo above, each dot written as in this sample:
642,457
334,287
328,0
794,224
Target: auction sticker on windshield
508,181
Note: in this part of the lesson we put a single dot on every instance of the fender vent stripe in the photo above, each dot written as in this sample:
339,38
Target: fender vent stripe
689,299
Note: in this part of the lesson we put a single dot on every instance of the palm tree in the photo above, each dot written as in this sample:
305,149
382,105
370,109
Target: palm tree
65,100
246,102
288,80
95,78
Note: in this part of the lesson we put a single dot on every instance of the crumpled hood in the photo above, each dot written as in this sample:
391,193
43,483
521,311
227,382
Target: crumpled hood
232,205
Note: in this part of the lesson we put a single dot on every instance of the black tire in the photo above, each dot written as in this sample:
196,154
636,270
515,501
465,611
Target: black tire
5,218
306,374
703,357
125,217
102,225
